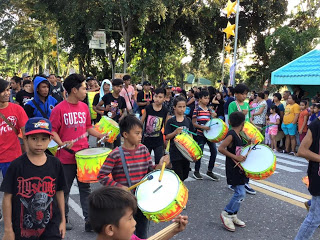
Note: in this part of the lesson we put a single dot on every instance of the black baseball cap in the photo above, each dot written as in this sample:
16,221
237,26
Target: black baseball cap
146,83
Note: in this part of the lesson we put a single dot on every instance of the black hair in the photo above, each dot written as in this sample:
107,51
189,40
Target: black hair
160,90
3,85
212,91
277,95
241,88
25,82
266,92
51,74
17,79
261,95
178,99
304,102
126,77
231,89
294,98
184,93
117,82
128,122
107,205
276,109
196,95
73,81
203,94
317,105
191,90
236,119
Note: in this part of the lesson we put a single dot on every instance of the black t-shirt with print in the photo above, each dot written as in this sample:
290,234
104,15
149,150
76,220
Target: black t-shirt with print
175,154
143,97
35,211
56,92
153,124
117,104
314,167
23,97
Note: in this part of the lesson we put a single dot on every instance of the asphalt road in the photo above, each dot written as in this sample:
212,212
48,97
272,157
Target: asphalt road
274,213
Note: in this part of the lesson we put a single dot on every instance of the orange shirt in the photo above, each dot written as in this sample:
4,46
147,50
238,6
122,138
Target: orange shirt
301,119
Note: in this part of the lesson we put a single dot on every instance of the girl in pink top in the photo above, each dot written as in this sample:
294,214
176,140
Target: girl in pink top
274,121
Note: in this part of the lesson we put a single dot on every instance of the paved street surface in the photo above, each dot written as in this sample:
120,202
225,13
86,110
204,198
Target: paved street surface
274,213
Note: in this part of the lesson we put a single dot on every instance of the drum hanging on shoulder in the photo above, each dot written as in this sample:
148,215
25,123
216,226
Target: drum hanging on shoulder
53,147
162,201
108,126
218,130
250,131
89,162
260,162
188,147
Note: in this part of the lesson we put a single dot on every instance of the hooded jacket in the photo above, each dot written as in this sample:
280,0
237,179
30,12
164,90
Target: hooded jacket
101,88
46,107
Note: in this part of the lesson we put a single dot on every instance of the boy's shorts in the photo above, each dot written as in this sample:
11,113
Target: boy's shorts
289,129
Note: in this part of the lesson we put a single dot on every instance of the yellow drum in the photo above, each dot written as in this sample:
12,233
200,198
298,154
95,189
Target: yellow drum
89,162
188,147
93,114
108,126
250,131
162,201
53,147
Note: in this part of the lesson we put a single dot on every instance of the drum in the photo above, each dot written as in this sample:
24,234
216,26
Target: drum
107,125
249,131
188,147
218,130
93,114
53,147
260,163
162,201
89,162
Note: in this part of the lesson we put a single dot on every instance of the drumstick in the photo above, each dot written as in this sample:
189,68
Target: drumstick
213,124
139,183
161,234
74,140
162,171
167,148
104,137
250,149
184,129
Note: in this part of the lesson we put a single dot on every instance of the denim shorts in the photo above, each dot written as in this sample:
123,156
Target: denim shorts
289,129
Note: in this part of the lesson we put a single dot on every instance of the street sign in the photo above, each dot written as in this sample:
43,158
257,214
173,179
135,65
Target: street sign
98,40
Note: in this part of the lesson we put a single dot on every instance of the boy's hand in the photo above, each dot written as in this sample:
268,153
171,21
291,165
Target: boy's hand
178,130
240,158
8,235
62,228
213,114
68,143
183,221
125,188
206,128
166,159
300,132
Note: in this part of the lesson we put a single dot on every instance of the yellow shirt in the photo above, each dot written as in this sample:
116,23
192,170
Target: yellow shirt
289,113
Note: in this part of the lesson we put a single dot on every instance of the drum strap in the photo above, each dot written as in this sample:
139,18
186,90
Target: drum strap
124,164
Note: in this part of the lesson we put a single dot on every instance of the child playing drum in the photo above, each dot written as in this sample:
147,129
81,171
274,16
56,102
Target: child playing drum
138,163
180,165
235,176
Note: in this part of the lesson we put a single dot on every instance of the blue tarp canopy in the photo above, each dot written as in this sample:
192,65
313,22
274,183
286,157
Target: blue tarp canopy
202,81
304,70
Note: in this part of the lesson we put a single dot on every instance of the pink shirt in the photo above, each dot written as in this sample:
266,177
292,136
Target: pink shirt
273,120
71,121
9,142
128,95
134,237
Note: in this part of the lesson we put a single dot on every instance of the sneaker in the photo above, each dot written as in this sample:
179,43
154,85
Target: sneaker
227,221
231,187
307,205
212,176
68,224
197,176
292,153
250,190
237,221
87,227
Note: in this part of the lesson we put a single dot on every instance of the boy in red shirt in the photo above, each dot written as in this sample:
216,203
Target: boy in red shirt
70,120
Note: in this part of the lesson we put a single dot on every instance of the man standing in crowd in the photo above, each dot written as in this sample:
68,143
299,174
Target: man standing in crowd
56,89
285,97
15,84
26,94
144,97
12,120
26,76
127,93
92,84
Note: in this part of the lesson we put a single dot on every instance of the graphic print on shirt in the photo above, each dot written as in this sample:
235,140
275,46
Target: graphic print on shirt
114,109
74,119
4,127
153,126
36,197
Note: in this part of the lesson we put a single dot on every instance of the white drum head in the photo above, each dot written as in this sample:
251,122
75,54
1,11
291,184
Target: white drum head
93,151
150,200
216,128
52,144
259,159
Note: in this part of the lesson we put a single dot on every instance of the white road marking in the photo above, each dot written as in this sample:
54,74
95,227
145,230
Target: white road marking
75,207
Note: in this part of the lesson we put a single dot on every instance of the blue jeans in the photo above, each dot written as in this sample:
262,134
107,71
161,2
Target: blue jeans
4,167
312,220
238,197
201,140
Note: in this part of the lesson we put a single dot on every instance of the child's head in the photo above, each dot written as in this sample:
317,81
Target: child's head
219,96
191,93
159,96
204,97
273,109
131,129
146,86
111,211
236,119
117,85
76,86
241,92
303,105
179,105
316,108
4,90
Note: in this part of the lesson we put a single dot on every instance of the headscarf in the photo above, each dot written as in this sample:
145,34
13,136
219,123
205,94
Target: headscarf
107,81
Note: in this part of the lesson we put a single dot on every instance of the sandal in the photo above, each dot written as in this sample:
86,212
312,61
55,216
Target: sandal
283,151
292,153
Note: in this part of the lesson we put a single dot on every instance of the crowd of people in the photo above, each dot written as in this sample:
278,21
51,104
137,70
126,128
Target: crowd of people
34,111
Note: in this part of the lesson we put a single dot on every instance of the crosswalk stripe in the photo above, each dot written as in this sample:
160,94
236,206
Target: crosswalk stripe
289,169
291,163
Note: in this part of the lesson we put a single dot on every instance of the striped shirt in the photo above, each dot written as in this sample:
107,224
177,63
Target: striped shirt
202,116
139,163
